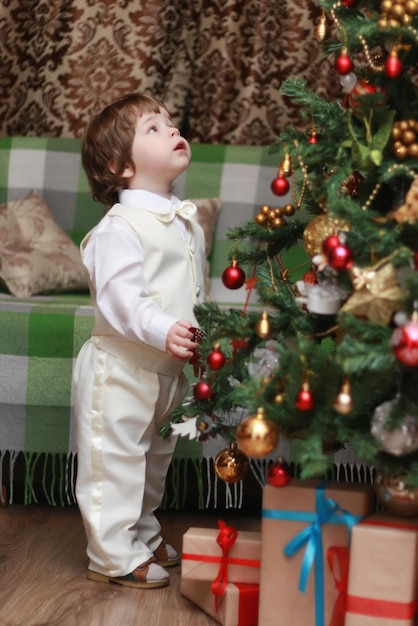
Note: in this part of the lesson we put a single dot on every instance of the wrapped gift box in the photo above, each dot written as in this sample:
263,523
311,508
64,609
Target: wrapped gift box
383,574
202,556
238,606
300,523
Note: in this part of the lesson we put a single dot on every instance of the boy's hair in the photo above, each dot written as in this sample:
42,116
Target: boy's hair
107,144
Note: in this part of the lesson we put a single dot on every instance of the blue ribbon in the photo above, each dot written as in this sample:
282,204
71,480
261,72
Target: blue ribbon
327,512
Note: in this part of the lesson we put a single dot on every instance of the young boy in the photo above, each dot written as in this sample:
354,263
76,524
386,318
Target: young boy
145,266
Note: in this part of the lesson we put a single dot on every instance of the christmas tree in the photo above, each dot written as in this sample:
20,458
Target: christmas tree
332,359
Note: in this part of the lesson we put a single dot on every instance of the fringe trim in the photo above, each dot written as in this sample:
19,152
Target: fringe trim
6,483
52,476
58,477
47,476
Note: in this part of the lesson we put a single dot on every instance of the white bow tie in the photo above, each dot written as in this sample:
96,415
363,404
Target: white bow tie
186,209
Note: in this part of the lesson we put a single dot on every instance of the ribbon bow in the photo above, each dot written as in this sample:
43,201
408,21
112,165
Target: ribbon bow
338,562
226,539
327,511
186,209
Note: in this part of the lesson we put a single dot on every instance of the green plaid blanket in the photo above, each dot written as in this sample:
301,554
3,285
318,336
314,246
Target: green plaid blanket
41,336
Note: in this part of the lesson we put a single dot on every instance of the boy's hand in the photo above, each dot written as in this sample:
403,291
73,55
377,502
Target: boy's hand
180,343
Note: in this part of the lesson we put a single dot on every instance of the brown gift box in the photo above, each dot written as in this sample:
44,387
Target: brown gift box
286,512
202,556
383,575
237,607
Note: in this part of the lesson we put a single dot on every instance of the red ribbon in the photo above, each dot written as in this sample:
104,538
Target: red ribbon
248,604
209,558
338,558
226,539
403,525
381,608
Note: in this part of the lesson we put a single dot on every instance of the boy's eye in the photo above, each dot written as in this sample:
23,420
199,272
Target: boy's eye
152,129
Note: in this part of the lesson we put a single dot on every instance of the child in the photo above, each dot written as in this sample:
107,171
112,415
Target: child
145,266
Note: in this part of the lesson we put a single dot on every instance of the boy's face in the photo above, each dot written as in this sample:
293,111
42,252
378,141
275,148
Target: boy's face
159,154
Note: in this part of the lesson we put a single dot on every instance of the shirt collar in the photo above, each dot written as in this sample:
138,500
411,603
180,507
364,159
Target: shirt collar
147,200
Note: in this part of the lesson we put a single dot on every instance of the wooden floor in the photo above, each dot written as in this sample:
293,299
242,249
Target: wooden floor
43,573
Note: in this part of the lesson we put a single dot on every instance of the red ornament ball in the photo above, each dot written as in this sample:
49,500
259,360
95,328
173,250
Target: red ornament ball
278,474
361,88
348,3
343,64
405,343
233,277
340,258
216,359
280,186
416,260
393,66
202,391
304,399
330,243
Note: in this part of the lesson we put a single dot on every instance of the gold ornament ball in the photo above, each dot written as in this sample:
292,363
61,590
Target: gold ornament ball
400,151
343,404
396,133
288,210
231,465
411,7
278,398
393,23
395,496
260,219
257,436
398,11
319,229
413,150
265,208
278,222
408,136
386,6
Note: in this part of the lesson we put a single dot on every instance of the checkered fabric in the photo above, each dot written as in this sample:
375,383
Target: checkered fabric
41,336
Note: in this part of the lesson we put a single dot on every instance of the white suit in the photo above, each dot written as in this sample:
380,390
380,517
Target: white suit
145,273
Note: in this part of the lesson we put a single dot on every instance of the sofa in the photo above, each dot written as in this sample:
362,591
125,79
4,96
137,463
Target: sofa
46,314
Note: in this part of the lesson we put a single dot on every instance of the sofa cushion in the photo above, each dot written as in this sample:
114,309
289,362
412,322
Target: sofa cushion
37,255
207,214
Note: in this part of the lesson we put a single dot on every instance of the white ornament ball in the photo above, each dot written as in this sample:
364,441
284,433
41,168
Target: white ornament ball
399,441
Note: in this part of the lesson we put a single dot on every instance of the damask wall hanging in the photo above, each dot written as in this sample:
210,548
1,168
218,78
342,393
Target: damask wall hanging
217,64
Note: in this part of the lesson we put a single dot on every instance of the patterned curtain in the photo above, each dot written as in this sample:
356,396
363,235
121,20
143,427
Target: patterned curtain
217,64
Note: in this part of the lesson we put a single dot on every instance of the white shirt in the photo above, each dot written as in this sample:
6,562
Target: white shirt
114,260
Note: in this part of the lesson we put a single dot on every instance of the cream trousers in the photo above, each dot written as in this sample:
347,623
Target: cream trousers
122,461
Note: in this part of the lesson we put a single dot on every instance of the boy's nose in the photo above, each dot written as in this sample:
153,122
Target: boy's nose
174,131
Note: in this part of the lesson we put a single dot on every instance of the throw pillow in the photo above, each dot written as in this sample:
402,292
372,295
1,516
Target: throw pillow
36,254
207,214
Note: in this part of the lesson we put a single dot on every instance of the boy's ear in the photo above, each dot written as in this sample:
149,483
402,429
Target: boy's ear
128,172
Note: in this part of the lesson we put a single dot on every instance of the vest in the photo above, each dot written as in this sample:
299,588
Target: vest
174,271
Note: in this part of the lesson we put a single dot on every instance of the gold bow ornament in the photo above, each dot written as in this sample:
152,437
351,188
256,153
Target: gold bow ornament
376,293
408,212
